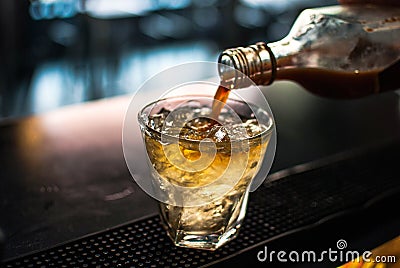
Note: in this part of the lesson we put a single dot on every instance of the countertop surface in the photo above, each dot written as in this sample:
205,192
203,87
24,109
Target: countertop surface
63,174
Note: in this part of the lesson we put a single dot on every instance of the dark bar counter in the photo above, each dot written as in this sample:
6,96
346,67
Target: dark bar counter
64,177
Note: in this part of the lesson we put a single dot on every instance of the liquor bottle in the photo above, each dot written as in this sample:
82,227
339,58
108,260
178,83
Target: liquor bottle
344,51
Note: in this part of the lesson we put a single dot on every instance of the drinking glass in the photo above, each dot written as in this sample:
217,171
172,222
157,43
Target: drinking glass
202,164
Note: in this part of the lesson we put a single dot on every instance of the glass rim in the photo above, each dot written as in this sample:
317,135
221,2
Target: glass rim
268,130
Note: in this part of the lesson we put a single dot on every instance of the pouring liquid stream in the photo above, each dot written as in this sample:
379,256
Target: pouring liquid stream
220,98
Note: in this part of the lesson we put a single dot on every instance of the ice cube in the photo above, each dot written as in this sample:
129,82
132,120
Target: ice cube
156,121
219,133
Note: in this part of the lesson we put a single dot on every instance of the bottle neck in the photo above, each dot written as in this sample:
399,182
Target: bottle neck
257,62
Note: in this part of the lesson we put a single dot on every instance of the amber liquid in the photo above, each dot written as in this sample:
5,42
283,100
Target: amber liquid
341,84
338,84
220,98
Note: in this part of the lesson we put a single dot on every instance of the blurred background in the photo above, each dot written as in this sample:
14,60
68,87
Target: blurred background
60,52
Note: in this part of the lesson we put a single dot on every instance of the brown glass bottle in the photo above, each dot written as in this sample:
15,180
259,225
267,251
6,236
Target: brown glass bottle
336,52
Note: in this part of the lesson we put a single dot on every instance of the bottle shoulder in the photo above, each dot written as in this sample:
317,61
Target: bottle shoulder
353,37
348,21
363,14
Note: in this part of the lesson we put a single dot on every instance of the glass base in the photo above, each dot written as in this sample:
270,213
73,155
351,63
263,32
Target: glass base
208,242
206,227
